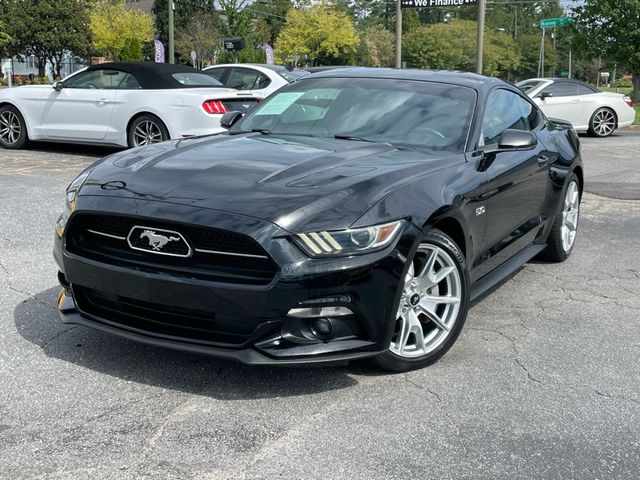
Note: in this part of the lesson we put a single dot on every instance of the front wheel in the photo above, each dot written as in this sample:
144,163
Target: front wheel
13,128
433,306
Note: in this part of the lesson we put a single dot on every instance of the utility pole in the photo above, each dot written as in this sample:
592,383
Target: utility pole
482,7
172,56
398,34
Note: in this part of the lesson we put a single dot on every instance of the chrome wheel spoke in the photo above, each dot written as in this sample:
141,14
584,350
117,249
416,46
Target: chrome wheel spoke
433,317
570,216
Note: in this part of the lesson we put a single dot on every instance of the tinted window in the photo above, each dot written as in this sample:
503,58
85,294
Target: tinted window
216,73
242,78
507,110
96,79
411,113
189,79
129,82
567,89
292,75
529,85
262,82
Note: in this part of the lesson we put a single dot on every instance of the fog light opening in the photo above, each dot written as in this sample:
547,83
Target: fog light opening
321,327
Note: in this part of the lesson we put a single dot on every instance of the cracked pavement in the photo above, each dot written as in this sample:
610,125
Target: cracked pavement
544,382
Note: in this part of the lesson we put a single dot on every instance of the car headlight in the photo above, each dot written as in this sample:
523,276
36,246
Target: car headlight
74,188
348,242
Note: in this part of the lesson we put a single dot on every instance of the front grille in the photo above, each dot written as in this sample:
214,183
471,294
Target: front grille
200,252
163,320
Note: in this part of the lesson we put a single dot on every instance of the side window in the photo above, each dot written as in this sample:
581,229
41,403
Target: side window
129,82
217,73
562,89
96,79
506,110
242,78
263,81
583,90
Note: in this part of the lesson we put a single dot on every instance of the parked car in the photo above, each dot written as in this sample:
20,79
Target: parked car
260,79
587,108
352,214
125,104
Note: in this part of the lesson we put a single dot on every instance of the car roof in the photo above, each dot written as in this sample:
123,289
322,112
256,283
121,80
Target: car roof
465,79
151,75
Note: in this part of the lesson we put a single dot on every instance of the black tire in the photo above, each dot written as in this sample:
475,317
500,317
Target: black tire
603,123
10,120
393,362
140,124
555,250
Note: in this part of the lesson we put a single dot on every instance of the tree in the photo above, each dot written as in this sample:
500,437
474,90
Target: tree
379,46
47,30
451,46
4,39
202,36
270,16
611,29
113,27
184,12
321,33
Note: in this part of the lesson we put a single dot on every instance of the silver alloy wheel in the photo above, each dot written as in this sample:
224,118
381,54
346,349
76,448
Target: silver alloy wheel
9,127
570,216
604,122
147,132
429,305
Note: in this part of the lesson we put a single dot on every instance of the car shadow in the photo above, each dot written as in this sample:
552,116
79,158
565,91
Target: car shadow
37,321
97,151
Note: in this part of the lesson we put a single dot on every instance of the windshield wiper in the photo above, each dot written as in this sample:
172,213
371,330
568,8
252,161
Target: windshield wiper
355,138
264,131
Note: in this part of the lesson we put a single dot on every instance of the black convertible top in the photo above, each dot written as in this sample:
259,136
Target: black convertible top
155,76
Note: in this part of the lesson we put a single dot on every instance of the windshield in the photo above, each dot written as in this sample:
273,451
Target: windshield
401,112
529,85
196,80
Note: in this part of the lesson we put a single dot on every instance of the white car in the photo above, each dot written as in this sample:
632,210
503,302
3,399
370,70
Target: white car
125,104
260,79
587,108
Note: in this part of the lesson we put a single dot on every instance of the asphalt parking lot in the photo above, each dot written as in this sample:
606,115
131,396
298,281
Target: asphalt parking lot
544,382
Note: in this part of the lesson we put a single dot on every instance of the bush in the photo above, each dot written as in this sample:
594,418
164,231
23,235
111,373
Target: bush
622,83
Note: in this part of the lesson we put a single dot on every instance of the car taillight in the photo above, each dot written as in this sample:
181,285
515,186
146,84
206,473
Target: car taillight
628,100
214,106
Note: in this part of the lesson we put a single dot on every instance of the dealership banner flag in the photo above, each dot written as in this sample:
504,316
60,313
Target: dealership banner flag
159,51
436,3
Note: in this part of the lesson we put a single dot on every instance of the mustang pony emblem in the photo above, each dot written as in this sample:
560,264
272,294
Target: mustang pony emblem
157,241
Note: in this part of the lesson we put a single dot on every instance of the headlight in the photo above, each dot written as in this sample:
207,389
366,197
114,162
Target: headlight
348,242
73,189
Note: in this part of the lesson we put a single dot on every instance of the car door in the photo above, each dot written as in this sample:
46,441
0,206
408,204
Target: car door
563,100
82,108
517,181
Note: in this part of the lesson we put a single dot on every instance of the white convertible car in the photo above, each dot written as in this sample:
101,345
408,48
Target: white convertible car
125,104
587,108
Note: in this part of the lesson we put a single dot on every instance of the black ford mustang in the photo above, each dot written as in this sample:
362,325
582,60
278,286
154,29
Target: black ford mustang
354,213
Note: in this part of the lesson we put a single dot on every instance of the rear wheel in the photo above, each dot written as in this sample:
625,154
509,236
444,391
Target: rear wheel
565,227
13,129
603,122
145,130
433,307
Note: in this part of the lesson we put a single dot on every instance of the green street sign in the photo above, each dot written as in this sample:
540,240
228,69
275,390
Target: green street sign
555,22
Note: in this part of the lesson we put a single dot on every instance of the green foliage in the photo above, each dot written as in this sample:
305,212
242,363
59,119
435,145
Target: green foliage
47,29
202,35
611,29
451,46
622,83
529,46
116,28
185,12
322,34
5,38
132,50
377,47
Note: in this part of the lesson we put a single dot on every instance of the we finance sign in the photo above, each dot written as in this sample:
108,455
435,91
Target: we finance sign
436,3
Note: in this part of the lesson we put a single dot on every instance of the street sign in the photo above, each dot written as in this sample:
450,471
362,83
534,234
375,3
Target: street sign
436,3
555,22
233,44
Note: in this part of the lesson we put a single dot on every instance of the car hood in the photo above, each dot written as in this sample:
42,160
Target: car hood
296,183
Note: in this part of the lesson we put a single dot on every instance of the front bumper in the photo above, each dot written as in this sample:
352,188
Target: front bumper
252,319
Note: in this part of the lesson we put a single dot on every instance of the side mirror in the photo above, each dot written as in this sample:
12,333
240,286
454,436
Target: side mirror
545,95
57,86
229,119
513,140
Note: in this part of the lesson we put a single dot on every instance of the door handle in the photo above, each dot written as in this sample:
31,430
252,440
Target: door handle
104,100
543,161
575,101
